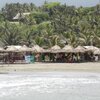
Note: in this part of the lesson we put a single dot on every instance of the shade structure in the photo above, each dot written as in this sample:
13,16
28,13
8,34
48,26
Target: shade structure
2,49
12,49
91,48
56,49
38,49
24,48
16,46
68,48
79,49
97,52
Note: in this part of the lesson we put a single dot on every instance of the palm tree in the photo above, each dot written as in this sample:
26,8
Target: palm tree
11,35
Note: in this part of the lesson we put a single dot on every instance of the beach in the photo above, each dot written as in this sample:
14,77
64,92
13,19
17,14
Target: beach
46,67
50,81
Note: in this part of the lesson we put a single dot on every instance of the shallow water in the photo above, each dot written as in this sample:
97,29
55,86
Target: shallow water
50,86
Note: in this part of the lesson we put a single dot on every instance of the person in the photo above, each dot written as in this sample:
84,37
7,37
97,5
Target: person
78,57
27,58
37,57
74,58
46,57
96,58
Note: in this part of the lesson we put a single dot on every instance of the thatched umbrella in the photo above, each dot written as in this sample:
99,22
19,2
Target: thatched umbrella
38,49
91,48
68,48
2,49
24,48
12,49
79,49
56,49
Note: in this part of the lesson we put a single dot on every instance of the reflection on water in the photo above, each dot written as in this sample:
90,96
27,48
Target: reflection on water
50,86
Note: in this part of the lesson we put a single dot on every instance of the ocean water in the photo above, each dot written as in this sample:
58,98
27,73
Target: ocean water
50,86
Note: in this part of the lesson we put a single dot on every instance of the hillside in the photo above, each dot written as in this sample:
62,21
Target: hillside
50,24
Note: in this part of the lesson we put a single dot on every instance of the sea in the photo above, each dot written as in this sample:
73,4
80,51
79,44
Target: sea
50,86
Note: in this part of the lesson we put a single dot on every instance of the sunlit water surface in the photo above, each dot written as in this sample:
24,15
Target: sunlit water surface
50,86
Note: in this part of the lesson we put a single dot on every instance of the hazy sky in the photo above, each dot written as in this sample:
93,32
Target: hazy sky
40,2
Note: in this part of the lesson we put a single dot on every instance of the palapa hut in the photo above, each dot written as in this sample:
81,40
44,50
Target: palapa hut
38,52
89,55
17,52
11,50
46,55
26,54
79,54
57,54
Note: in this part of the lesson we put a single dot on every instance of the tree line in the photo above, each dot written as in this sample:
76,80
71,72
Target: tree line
50,24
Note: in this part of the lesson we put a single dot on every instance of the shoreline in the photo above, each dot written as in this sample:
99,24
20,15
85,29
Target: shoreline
49,67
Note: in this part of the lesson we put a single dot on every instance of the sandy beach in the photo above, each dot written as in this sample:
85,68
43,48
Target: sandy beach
45,67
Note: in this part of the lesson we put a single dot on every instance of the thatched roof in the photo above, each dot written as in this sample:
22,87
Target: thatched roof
56,47
79,49
91,48
16,46
37,48
24,48
68,48
11,49
97,51
2,49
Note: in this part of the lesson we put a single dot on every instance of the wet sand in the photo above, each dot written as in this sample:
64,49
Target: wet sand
45,67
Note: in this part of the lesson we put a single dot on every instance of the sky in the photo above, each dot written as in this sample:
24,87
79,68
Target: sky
40,2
